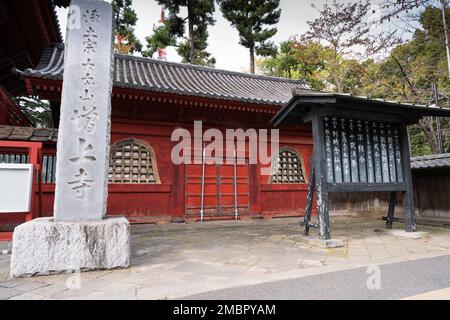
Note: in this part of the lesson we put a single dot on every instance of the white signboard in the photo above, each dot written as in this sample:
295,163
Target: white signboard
15,187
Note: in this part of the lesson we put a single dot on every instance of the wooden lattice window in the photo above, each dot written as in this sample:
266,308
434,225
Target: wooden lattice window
132,161
287,167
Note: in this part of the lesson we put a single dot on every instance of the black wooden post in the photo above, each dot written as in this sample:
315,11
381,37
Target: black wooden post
391,210
408,195
320,176
309,200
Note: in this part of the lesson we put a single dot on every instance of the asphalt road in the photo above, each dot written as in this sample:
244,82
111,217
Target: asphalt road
397,280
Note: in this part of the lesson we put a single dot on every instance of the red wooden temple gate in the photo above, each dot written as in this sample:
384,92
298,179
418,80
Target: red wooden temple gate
150,100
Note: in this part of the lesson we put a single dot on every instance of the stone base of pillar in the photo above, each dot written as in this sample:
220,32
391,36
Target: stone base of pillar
43,246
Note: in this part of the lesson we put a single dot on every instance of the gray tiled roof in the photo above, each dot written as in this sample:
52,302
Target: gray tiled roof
433,161
28,134
169,77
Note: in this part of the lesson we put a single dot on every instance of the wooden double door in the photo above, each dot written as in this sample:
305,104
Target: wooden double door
219,195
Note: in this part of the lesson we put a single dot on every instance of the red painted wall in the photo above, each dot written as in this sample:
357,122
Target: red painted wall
166,201
288,199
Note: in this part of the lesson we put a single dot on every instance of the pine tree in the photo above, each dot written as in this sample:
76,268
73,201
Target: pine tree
125,19
191,47
161,37
252,19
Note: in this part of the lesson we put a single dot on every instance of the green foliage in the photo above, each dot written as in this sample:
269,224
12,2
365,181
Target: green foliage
340,27
160,38
406,74
191,46
297,60
253,19
201,56
38,112
125,19
419,142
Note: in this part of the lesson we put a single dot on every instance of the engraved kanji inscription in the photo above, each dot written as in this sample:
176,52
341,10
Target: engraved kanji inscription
85,118
85,151
90,41
91,16
81,183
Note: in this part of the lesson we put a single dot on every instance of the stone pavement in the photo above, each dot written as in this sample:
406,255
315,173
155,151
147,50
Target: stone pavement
442,294
177,260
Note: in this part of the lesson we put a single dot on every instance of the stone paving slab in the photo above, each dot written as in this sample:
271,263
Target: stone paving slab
11,283
404,234
7,293
316,241
443,294
176,260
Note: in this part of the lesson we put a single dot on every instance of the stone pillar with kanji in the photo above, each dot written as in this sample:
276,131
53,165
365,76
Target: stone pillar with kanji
80,236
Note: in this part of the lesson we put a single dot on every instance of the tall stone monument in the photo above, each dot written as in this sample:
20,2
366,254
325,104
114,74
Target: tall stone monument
79,236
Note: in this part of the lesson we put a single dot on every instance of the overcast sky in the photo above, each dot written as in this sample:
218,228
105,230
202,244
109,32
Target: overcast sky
223,39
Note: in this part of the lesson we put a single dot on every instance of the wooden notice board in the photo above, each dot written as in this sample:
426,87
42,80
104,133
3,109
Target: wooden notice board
360,145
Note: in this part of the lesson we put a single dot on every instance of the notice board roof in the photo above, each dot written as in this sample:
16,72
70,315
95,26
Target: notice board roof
298,108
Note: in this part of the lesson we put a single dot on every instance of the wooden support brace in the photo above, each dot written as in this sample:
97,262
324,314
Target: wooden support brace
391,209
